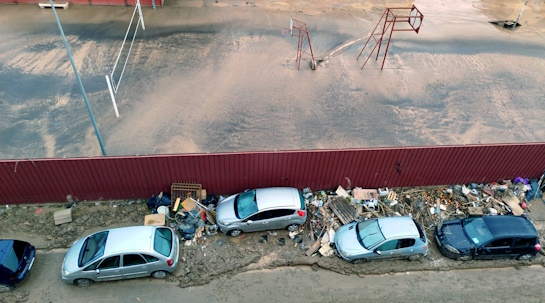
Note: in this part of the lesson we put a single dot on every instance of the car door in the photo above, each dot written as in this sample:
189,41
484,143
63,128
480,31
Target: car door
257,222
109,269
496,249
280,218
523,246
387,249
406,247
154,263
134,266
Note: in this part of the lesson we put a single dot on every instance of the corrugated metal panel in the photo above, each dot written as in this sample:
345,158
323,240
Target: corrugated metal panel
51,180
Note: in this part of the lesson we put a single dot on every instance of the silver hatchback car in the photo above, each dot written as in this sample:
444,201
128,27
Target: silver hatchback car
122,253
261,209
392,237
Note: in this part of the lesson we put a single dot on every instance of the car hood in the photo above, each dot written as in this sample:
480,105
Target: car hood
454,235
346,240
225,211
70,262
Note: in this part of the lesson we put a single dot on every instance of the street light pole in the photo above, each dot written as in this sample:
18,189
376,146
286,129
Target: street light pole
79,80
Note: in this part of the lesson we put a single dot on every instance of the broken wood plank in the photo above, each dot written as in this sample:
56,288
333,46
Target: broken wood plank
314,248
343,210
513,202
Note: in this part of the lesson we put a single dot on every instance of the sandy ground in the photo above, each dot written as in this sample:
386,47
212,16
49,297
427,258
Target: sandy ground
211,77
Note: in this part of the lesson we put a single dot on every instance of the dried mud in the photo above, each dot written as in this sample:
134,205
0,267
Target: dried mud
211,256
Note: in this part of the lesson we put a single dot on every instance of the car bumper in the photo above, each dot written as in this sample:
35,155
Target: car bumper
444,251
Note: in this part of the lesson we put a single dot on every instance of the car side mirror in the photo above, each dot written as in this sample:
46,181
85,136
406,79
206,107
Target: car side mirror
250,221
97,271
378,252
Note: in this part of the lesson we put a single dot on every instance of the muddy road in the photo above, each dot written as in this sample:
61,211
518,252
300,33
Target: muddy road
296,284
212,256
219,76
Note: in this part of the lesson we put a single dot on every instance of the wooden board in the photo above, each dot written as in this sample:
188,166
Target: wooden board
475,211
513,202
177,204
314,248
343,210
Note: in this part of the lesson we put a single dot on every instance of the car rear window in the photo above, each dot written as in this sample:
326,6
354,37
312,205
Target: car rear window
163,241
245,204
93,248
12,261
302,201
420,231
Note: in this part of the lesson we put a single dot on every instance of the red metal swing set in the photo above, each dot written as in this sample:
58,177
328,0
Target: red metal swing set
391,17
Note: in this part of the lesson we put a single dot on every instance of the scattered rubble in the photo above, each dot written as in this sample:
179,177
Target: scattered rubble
428,205
207,254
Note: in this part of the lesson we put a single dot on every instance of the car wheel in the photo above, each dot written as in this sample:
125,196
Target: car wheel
415,257
160,274
525,257
359,261
464,258
83,282
235,232
4,288
293,227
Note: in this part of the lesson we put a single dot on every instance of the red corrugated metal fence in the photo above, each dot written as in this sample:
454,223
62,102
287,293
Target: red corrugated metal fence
51,180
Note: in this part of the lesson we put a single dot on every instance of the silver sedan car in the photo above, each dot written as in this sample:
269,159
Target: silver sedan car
392,237
122,253
261,209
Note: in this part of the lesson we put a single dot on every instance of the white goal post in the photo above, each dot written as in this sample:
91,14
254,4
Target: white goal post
113,84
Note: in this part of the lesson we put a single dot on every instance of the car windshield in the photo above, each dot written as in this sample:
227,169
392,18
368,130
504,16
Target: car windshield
245,204
477,230
93,248
163,241
369,233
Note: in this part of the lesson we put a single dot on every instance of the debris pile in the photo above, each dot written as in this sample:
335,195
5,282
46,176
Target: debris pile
428,206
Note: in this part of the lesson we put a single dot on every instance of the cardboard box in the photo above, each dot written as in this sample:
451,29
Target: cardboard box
365,194
203,194
156,220
63,216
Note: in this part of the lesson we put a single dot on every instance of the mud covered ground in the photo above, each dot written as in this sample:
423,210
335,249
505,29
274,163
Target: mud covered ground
220,76
211,256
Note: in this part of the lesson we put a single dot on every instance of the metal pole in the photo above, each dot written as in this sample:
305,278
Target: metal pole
515,24
79,80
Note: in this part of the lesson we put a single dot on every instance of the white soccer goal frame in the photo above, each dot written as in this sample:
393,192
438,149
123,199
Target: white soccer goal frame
113,85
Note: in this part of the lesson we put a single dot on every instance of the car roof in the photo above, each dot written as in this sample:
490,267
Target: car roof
398,227
129,239
510,226
277,197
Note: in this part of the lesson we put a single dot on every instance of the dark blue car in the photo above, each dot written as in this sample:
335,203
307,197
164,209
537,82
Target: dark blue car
488,237
16,260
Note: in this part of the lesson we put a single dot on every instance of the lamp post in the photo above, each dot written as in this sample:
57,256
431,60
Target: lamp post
79,80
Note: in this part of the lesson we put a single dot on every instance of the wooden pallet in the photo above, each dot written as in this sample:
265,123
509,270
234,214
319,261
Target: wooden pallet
185,190
343,210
